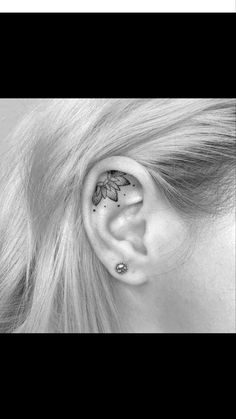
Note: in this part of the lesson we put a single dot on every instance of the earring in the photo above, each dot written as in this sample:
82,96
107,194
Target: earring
121,268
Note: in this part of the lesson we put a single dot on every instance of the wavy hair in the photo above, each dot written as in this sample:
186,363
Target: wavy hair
50,279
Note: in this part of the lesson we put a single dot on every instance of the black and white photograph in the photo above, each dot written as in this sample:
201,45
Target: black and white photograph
117,207
117,215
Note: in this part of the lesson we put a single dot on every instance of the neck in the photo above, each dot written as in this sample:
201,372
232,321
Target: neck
138,310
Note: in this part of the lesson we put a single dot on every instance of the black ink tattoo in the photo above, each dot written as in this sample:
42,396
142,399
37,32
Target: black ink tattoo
110,187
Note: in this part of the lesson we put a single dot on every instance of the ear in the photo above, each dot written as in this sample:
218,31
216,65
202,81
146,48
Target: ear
120,200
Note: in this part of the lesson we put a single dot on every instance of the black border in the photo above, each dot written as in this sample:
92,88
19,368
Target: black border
54,55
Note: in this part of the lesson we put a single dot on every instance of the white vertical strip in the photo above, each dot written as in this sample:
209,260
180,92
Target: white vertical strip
117,6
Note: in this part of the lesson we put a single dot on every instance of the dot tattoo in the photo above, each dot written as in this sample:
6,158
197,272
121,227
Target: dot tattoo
110,187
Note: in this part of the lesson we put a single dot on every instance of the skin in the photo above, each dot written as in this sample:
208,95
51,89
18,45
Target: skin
181,275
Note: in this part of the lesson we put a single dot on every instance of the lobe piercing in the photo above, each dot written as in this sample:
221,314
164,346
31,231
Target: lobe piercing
121,268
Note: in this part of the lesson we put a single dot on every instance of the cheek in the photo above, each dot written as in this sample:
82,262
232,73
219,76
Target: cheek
215,255
203,288
194,277
168,242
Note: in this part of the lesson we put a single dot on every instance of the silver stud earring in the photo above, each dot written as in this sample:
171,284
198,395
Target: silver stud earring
121,268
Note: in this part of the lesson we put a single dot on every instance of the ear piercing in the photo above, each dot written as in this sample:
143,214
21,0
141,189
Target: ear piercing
121,268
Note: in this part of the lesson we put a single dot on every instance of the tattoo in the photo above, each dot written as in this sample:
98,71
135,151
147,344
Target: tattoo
110,186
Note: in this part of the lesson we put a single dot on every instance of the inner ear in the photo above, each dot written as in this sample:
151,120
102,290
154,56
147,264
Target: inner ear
126,227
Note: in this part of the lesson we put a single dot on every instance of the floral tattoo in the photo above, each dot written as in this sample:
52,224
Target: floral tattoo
110,186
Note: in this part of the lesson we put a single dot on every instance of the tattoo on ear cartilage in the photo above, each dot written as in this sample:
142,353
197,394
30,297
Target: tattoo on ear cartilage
110,187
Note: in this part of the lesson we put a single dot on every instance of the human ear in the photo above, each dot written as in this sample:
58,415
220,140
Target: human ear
119,201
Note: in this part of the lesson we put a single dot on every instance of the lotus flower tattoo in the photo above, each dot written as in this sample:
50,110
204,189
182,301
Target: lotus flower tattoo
110,187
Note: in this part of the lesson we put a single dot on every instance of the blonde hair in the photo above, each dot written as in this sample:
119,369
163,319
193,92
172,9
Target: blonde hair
50,278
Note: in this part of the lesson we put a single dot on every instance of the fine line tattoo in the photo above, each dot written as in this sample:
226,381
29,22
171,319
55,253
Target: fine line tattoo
110,187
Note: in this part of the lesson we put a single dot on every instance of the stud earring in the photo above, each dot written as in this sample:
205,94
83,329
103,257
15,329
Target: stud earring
121,268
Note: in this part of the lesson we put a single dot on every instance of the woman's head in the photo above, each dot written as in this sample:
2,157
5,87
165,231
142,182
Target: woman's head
87,184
